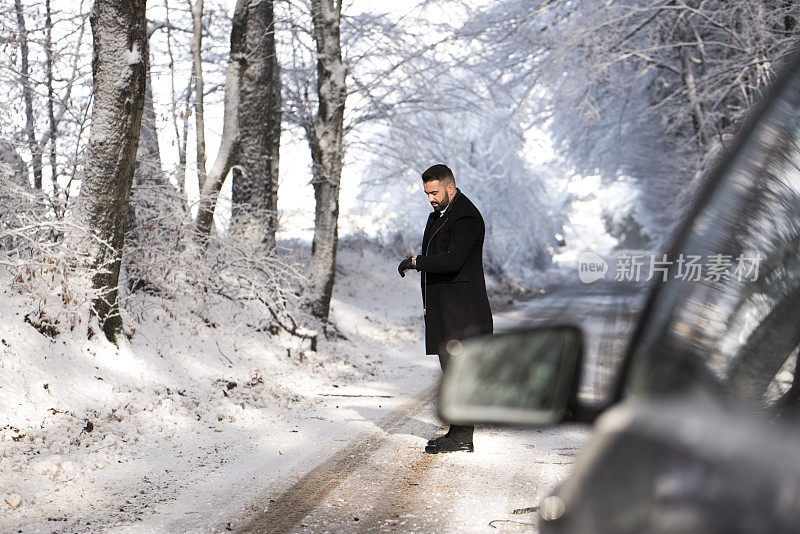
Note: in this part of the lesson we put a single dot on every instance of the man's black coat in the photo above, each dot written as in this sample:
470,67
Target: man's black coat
453,286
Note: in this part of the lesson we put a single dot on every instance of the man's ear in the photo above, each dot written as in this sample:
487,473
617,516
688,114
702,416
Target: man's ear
451,189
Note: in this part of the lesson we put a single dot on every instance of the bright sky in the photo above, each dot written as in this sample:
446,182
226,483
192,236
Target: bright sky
296,198
295,194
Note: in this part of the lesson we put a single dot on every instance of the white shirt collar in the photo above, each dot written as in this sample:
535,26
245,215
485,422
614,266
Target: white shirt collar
441,213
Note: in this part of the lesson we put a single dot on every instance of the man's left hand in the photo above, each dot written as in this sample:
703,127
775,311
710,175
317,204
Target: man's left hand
404,266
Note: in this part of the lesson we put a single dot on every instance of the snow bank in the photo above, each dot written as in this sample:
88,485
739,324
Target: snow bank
182,426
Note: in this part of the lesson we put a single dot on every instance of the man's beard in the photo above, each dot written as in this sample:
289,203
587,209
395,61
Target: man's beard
445,203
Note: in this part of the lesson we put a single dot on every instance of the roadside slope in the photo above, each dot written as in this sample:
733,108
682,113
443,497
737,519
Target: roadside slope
185,426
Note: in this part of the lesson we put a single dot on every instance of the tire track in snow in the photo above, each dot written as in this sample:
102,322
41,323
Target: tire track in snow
287,511
383,482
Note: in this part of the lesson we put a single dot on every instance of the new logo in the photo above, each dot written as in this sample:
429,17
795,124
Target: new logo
591,267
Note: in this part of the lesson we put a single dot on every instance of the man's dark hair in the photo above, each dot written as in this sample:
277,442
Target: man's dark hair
439,172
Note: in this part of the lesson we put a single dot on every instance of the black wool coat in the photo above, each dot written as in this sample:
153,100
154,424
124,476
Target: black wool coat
453,285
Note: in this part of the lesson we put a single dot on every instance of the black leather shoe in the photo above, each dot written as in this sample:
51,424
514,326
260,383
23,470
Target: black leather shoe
448,444
438,439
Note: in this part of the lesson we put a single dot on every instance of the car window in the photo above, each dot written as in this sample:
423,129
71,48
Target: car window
730,324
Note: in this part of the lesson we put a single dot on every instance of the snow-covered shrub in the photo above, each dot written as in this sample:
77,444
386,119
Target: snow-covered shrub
34,261
231,280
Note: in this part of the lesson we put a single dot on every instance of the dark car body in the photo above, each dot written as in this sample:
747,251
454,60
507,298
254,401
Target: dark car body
702,434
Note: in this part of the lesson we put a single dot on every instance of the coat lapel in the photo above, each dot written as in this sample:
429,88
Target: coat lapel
435,222
426,236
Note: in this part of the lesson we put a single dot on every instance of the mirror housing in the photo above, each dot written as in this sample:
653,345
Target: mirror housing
522,377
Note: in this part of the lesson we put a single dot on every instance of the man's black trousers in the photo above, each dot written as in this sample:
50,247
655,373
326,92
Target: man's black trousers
459,432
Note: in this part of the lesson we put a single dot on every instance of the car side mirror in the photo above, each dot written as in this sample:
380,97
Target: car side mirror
527,377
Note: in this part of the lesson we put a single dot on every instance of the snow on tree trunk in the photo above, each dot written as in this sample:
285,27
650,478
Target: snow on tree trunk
197,76
119,28
229,142
148,157
255,172
148,180
327,152
181,134
27,94
51,116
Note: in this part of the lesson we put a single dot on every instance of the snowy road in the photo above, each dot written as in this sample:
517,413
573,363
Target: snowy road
383,482
203,429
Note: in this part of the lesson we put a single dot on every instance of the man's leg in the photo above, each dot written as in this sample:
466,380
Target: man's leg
458,432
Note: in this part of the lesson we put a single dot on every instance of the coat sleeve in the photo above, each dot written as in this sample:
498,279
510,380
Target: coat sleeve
465,232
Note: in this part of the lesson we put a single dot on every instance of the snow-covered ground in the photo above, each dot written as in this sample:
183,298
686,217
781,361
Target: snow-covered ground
193,428
184,426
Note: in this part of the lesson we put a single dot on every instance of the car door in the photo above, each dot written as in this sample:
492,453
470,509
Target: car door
703,435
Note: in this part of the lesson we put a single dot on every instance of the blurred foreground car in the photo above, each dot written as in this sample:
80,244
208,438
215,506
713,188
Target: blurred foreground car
702,431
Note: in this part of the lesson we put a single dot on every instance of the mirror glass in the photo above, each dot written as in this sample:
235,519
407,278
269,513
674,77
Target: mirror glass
520,377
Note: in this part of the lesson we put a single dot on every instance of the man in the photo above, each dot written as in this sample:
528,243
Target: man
453,287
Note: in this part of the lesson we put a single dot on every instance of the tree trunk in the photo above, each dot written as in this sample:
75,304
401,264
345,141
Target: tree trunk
229,142
327,153
147,170
51,116
119,31
183,139
197,75
180,134
698,113
255,174
148,157
27,95
13,172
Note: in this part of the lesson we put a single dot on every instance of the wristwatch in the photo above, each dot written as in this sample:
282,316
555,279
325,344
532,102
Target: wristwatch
414,261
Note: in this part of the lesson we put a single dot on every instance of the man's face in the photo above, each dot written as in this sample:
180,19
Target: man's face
439,195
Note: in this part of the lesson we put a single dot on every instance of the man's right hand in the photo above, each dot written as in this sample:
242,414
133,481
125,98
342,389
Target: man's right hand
404,266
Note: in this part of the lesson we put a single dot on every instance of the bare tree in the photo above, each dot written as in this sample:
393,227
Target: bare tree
181,131
327,152
148,175
27,92
72,112
148,156
119,31
255,172
229,142
51,82
197,75
647,91
381,60
51,117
